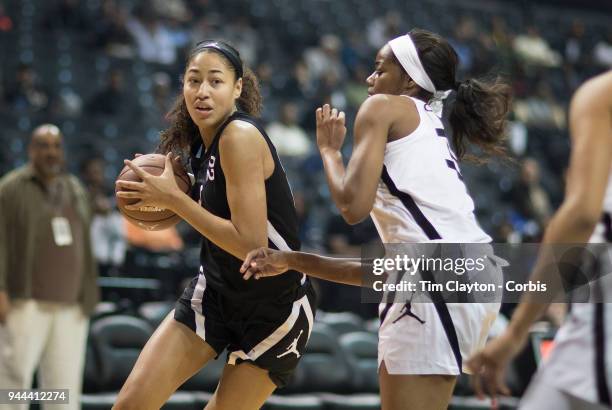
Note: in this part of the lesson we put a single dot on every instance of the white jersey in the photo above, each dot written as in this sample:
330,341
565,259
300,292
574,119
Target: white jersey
421,196
581,361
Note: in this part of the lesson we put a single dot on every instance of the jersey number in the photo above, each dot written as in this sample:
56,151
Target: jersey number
210,171
452,163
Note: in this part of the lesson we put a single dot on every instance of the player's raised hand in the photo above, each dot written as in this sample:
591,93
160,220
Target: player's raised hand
331,128
263,262
489,365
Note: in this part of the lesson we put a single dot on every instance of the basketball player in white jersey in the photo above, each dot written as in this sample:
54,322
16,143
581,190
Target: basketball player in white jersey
579,371
404,173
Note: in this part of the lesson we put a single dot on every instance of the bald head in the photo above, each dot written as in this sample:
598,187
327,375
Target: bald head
46,151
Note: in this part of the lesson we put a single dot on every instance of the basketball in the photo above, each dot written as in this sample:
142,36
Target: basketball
151,218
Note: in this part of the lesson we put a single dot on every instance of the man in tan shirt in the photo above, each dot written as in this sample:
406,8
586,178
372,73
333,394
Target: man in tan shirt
47,272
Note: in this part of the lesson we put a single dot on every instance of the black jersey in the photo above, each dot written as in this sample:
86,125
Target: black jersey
222,269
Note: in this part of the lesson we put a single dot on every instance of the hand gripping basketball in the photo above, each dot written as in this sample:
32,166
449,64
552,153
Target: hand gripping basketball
146,189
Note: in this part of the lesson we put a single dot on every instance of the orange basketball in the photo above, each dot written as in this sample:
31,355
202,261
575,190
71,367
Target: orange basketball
150,218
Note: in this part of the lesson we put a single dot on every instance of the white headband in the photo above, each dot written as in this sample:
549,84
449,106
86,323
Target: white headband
406,53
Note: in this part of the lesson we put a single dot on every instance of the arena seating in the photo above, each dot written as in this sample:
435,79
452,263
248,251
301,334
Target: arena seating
338,371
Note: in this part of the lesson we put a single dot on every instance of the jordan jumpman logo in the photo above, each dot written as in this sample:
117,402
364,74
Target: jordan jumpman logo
292,347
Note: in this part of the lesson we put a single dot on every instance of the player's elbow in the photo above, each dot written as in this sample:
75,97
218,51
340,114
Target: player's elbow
353,208
583,215
352,216
586,219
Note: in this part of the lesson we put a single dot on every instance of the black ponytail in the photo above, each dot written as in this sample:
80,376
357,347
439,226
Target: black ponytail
479,116
481,106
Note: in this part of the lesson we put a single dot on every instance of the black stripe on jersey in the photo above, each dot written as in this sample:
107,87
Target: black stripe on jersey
445,318
440,132
452,165
600,356
383,314
607,221
411,206
391,295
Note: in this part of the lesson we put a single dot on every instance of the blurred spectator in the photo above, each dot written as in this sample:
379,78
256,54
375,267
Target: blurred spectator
355,51
162,92
167,240
503,43
206,28
152,38
517,136
66,14
107,231
463,39
602,53
383,29
244,38
541,109
288,137
305,223
47,271
356,90
505,233
324,60
529,197
111,33
575,44
300,83
172,9
534,49
176,15
347,240
26,93
112,99
6,23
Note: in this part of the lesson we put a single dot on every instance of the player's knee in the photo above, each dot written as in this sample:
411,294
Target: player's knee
128,401
222,402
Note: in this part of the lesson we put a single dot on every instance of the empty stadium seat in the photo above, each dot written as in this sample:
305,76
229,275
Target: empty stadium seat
373,325
474,403
351,402
117,342
155,312
294,402
324,365
343,322
362,351
207,378
91,371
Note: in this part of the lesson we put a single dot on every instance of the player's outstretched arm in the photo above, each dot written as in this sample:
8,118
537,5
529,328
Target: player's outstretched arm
264,262
573,223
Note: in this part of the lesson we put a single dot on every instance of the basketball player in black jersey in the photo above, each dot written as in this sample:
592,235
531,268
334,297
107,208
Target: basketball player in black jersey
244,202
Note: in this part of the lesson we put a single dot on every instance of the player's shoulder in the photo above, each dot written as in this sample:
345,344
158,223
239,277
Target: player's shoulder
240,132
386,103
241,137
387,107
594,92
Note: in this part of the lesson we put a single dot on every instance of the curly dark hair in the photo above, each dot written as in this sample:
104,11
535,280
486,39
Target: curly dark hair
183,132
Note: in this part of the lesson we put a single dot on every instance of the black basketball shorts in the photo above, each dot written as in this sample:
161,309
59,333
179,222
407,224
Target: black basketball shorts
270,334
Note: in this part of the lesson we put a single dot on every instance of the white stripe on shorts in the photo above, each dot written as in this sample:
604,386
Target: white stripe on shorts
196,303
278,334
277,239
